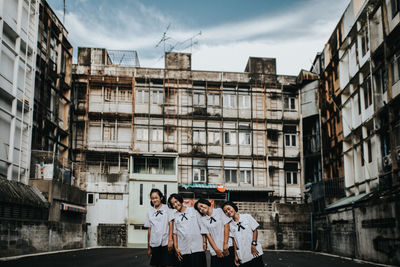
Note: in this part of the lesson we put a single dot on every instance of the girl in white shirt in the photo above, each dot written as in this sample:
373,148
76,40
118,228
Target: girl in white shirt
216,227
188,241
159,223
243,229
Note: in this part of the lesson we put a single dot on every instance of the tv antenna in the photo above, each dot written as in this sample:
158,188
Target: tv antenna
164,38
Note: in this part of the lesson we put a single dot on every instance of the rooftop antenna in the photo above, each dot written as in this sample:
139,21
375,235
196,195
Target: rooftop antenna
164,37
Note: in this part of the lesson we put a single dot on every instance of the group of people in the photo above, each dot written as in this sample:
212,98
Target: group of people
181,237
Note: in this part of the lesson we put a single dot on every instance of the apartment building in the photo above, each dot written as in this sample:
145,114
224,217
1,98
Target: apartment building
18,37
184,131
359,73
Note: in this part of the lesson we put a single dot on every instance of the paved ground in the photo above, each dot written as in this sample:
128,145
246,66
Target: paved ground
121,257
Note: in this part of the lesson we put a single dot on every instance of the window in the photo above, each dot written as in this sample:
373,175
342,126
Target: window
199,175
395,7
244,101
109,133
156,134
214,137
230,138
290,103
153,166
109,94
245,176
147,165
110,196
359,101
213,100
124,95
364,41
142,134
395,64
199,137
142,96
369,151
165,190
291,177
244,138
156,96
380,81
141,194
90,199
290,140
198,99
362,153
229,101
139,165
367,93
230,176
168,166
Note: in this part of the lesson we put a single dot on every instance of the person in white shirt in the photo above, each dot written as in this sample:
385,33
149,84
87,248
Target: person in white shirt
216,227
243,229
189,243
159,223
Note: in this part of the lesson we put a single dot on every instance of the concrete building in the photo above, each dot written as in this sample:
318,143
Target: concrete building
18,38
183,130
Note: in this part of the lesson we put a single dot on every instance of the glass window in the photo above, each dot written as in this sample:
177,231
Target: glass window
245,176
291,177
90,199
213,100
142,134
214,137
199,175
199,137
139,165
156,96
290,103
290,140
141,194
153,166
244,101
142,96
229,101
156,134
168,166
231,176
244,138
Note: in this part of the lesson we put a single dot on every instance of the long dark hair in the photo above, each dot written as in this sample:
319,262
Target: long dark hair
177,197
155,190
202,201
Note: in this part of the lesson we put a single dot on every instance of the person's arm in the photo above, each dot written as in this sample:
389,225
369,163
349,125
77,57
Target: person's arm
170,241
178,252
226,239
236,256
214,246
148,242
204,242
254,250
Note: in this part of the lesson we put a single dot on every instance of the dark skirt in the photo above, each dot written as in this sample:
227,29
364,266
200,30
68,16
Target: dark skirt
256,262
228,261
197,259
160,256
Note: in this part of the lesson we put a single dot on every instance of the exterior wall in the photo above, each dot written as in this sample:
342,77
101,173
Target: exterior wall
18,37
24,237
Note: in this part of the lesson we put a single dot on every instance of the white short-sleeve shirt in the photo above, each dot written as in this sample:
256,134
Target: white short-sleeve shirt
187,228
242,232
158,220
214,225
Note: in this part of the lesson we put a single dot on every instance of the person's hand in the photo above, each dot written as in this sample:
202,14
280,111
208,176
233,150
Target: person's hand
170,246
237,260
219,253
178,254
204,246
254,251
149,252
226,250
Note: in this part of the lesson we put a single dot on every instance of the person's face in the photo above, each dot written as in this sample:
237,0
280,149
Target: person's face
176,204
203,208
229,211
155,199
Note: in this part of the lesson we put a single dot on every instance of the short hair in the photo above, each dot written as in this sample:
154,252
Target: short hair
230,203
177,197
155,190
202,201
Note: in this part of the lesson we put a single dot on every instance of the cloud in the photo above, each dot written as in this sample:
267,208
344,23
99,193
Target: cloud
293,36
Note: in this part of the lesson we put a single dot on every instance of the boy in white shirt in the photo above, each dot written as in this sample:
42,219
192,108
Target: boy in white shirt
243,229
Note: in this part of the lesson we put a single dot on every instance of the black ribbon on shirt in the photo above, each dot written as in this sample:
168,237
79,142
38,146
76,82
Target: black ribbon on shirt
158,213
212,219
184,216
239,224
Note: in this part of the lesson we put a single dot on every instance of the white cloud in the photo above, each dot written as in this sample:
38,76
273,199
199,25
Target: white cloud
293,36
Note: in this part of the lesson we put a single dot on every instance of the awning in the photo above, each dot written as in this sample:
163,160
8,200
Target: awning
347,201
248,189
201,186
73,208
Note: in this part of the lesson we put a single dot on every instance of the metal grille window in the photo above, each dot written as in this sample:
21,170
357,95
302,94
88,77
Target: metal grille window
291,177
290,103
245,176
199,175
230,176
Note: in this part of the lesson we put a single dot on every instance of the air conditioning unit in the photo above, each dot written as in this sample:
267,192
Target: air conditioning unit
387,161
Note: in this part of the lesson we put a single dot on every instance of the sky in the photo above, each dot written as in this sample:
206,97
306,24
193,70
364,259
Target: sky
220,34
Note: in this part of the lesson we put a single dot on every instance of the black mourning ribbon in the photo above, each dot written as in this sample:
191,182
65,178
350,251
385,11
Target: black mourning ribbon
239,224
212,219
184,216
159,212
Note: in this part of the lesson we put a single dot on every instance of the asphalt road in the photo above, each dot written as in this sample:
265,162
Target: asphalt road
124,257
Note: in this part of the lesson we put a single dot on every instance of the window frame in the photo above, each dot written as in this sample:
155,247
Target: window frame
201,173
292,139
230,134
290,103
247,173
160,134
290,181
230,170
247,138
